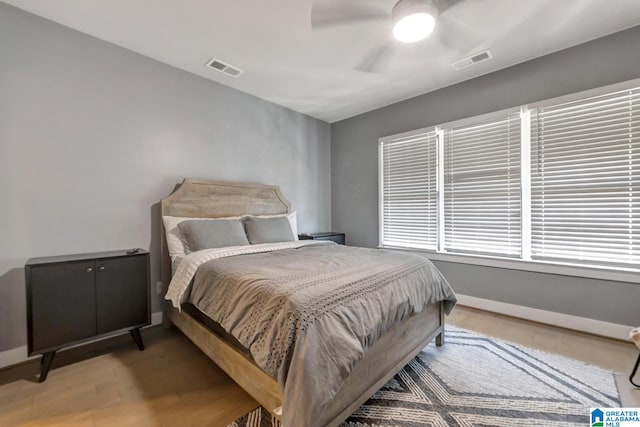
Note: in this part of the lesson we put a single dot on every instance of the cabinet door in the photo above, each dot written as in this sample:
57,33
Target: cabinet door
122,293
63,303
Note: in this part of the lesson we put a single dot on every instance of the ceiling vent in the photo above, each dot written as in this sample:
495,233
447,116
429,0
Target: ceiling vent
474,59
225,68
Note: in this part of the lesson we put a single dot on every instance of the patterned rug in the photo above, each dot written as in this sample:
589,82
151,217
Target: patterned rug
475,380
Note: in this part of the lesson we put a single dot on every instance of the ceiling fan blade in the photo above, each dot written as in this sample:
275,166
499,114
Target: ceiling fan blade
452,31
574,13
336,14
449,6
378,60
456,36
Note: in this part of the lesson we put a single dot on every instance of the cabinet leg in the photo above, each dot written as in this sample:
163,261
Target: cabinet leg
135,334
45,365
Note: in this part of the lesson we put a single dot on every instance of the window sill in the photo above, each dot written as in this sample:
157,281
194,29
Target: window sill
628,275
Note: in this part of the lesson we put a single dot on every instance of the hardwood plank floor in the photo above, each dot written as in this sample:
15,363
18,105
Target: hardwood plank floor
611,354
172,383
614,355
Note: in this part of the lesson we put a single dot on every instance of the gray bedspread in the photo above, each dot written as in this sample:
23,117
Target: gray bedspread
307,315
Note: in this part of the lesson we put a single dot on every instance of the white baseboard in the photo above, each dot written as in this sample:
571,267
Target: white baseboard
14,356
19,354
582,324
156,319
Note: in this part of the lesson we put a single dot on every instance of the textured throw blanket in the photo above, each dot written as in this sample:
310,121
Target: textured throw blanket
308,314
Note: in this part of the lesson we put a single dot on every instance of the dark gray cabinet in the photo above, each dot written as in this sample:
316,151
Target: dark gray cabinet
333,236
74,298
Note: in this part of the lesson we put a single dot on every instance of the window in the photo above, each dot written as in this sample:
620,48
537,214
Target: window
585,180
482,187
409,191
558,181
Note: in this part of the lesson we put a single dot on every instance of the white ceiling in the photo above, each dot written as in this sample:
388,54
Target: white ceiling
312,72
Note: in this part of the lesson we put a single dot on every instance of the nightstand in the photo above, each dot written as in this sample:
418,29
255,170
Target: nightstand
76,298
336,237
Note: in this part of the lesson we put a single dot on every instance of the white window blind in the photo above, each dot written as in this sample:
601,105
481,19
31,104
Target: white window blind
585,180
409,192
482,187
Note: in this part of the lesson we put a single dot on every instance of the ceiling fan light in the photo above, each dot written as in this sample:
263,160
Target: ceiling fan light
413,20
414,27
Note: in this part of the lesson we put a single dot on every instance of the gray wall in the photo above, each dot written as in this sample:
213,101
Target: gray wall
92,136
354,168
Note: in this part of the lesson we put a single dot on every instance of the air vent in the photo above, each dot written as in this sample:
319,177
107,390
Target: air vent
225,68
472,60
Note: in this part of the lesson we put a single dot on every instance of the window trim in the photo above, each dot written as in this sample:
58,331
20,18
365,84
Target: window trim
381,142
584,94
580,98
472,121
525,263
479,118
613,274
525,183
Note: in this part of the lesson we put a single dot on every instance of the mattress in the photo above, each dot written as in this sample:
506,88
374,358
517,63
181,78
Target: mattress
214,327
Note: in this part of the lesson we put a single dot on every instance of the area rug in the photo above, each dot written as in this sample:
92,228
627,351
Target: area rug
475,380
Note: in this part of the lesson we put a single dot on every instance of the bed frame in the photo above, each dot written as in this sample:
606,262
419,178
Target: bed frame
387,356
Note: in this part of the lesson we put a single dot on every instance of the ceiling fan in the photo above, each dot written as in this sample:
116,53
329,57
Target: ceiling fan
412,21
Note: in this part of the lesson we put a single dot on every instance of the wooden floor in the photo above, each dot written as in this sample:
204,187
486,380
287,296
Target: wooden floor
172,383
617,356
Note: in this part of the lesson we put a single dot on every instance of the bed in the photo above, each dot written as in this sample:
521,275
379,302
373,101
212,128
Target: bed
380,361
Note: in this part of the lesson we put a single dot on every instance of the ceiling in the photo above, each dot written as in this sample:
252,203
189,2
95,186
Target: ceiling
312,72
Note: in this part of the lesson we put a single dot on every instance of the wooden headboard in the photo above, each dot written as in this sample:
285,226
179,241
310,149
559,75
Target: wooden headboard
198,198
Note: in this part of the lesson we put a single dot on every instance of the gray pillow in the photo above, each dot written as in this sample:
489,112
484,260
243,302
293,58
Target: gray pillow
209,234
268,230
